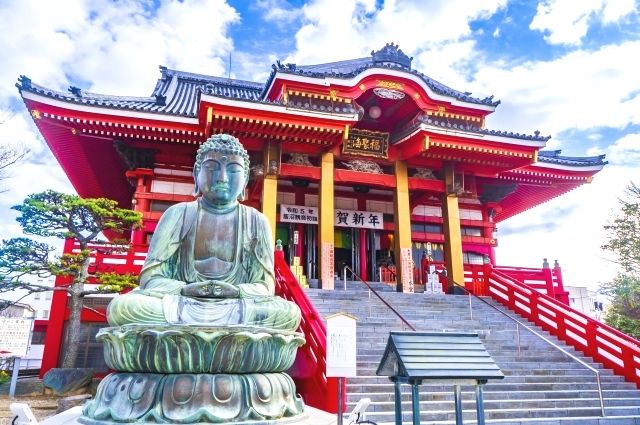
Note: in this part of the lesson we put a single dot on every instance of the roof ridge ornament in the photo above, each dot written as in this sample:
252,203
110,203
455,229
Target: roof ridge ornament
76,91
391,53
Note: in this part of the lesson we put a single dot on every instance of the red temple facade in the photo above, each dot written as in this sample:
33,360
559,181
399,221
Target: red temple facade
364,163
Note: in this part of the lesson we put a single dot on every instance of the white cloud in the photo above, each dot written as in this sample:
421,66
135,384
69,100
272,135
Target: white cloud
567,21
626,150
580,90
279,11
115,47
109,47
337,29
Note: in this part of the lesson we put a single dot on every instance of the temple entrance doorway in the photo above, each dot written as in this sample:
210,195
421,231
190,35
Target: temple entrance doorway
343,253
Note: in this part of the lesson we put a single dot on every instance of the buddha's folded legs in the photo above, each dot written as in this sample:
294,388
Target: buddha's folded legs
138,308
135,308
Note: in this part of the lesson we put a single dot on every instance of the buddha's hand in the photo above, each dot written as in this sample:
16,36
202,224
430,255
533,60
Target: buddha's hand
210,289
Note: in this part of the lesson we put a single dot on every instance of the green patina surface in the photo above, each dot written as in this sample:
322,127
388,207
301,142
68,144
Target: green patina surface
204,333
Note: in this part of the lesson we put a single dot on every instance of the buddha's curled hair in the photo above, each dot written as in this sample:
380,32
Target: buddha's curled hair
222,143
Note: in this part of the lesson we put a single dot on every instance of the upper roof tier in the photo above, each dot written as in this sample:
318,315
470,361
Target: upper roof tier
389,57
178,92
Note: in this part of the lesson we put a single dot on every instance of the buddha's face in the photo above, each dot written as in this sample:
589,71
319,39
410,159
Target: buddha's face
221,179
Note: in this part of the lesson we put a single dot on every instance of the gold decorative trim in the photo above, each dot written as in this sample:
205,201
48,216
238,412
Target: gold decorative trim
390,84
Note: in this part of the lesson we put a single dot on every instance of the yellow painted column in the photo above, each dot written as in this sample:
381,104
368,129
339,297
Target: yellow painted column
326,222
402,238
452,234
270,185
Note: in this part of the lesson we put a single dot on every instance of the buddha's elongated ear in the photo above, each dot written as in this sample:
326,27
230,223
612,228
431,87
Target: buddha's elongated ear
196,189
244,190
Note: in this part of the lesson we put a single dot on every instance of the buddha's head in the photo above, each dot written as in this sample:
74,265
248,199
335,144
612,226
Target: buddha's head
221,170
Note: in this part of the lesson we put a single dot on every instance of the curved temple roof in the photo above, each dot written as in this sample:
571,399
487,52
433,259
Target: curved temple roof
178,92
554,157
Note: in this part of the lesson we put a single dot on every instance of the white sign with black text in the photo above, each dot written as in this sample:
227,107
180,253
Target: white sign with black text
14,336
341,346
298,214
358,219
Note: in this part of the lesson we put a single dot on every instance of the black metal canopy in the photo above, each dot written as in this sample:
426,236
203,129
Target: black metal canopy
437,356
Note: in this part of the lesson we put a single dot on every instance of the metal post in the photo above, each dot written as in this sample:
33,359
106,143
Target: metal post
344,277
600,394
415,401
340,406
470,308
457,396
398,402
518,336
479,404
14,377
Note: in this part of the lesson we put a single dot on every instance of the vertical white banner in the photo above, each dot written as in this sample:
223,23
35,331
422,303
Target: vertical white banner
407,269
327,272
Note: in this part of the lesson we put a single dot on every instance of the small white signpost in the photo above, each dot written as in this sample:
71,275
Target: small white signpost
341,352
15,334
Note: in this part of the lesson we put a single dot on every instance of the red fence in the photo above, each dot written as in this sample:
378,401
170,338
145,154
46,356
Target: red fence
604,344
309,368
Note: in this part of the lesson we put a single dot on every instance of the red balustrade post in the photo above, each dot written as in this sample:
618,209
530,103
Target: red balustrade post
561,294
487,269
548,278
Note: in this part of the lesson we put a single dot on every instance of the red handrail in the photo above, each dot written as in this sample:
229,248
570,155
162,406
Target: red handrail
603,343
309,368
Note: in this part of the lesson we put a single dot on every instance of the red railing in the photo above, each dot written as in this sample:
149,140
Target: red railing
308,370
604,344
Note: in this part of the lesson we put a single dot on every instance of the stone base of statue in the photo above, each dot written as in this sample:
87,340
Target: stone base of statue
196,374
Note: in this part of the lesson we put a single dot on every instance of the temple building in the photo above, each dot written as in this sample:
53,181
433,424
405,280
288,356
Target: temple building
366,163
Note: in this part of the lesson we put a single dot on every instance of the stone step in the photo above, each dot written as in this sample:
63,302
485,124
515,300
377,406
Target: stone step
542,388
470,404
498,395
507,413
542,385
576,420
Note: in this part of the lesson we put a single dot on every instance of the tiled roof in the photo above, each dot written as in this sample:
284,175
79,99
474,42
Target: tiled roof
350,68
414,124
444,123
554,157
176,93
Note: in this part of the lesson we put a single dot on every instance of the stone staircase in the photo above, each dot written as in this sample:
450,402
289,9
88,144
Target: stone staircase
542,385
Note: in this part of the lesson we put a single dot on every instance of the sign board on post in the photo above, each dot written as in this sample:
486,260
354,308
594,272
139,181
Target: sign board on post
15,334
341,346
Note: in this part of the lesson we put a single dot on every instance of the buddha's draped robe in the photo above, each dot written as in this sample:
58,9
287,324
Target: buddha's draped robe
170,264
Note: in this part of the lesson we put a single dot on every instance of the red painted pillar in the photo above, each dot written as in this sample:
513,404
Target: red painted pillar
55,326
364,272
139,203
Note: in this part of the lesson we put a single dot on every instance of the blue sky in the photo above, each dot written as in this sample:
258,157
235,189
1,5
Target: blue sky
567,68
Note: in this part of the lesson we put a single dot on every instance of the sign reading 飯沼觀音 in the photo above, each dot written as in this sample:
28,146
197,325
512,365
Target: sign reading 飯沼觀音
366,143
359,219
14,336
298,214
